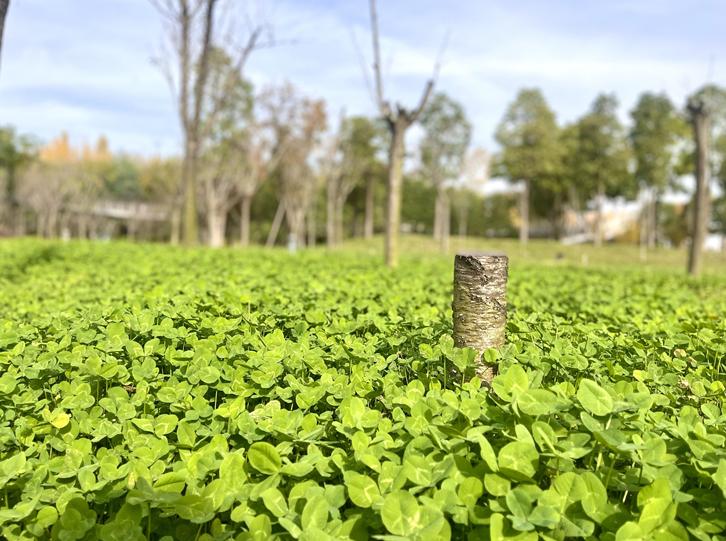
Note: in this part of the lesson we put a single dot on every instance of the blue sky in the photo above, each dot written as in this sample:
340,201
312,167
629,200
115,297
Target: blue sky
85,66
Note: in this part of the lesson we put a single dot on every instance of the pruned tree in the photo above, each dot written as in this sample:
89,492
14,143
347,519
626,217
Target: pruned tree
447,134
398,120
705,108
191,29
531,151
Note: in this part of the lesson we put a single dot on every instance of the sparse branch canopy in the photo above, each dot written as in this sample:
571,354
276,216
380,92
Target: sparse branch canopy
383,106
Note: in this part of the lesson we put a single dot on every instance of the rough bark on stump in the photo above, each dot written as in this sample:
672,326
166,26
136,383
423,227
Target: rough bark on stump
480,304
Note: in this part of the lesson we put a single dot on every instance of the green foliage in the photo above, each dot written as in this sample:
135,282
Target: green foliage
602,153
657,130
153,393
447,134
528,134
122,179
533,150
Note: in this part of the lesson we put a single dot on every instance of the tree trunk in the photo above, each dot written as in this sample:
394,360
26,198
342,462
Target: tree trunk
190,234
643,234
13,207
600,214
437,216
445,217
557,216
480,305
312,227
370,207
652,221
275,226
393,191
701,199
82,226
51,224
244,220
524,212
330,214
463,222
175,225
339,209
296,225
131,227
216,226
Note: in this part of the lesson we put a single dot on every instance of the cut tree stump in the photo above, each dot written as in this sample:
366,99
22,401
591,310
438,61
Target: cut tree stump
480,305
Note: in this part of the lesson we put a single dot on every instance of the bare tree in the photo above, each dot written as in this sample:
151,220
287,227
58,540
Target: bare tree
398,119
297,124
45,189
331,168
191,26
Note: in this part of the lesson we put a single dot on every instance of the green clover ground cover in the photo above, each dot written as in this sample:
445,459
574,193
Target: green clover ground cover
154,393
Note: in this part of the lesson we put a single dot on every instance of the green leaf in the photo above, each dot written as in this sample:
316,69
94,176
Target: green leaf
594,398
537,402
401,513
195,508
518,460
59,419
274,501
362,490
315,513
511,383
720,476
75,521
164,424
264,458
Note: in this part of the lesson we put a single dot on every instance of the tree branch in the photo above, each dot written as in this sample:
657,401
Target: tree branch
383,106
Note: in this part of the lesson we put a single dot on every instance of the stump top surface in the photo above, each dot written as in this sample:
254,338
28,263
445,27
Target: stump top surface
481,254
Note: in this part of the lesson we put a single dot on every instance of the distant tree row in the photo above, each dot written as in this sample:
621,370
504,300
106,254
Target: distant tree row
596,157
273,159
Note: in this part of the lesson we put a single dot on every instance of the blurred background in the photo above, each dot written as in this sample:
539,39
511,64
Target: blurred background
225,122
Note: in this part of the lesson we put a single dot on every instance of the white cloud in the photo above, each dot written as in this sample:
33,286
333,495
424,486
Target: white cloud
85,65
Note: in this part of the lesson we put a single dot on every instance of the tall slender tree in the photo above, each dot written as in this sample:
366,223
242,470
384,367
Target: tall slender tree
603,156
447,134
655,135
531,151
398,120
